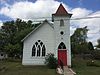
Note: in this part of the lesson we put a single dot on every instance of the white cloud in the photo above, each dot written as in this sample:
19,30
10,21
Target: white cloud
93,24
30,10
44,8
25,10
80,12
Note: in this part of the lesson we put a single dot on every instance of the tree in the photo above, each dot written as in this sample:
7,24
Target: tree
3,40
9,28
80,35
21,25
98,46
12,50
78,40
11,34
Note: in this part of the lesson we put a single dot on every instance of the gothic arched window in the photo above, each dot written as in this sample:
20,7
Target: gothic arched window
61,46
33,50
61,22
38,49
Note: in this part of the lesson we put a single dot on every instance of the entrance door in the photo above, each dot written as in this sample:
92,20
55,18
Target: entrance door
62,54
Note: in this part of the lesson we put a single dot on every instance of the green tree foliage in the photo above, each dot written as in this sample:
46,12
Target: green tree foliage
80,35
81,48
11,34
98,46
9,28
96,53
3,41
79,45
12,50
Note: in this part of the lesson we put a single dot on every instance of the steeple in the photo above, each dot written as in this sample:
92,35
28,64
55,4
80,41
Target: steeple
61,11
61,21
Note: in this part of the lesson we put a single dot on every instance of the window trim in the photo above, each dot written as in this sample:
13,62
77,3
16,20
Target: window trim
61,23
36,45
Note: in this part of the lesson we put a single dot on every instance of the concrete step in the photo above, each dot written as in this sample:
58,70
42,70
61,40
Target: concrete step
68,71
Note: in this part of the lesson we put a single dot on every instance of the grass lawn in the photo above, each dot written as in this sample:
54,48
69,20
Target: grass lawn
81,68
16,68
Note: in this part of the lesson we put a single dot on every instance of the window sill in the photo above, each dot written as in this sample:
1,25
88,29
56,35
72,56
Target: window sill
38,57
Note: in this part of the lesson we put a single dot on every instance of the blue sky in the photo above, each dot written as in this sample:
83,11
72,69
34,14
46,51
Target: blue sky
89,4
30,9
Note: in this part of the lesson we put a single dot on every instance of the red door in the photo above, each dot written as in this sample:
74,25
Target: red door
62,57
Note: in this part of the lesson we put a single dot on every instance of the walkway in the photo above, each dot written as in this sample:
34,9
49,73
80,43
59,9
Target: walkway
68,71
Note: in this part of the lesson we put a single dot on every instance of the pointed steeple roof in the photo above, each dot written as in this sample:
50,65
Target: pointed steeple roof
61,11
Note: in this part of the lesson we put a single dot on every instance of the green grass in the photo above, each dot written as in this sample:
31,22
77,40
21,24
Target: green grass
81,68
15,68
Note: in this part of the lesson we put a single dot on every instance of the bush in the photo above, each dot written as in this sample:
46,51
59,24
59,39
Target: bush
51,61
96,54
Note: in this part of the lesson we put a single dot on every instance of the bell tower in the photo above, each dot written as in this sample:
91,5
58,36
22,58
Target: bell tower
61,21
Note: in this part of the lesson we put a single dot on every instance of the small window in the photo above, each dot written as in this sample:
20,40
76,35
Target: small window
1,54
61,32
61,22
61,46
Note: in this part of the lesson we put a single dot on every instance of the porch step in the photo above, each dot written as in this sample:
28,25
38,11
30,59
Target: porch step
68,71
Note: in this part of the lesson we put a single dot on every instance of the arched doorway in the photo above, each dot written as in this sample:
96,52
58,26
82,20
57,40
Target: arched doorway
62,54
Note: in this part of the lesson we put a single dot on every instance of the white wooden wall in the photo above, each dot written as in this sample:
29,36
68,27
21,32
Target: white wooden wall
44,33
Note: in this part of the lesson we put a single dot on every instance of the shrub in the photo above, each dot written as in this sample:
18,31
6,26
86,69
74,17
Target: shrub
96,54
51,61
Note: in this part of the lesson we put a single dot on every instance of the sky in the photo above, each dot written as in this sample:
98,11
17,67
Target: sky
30,9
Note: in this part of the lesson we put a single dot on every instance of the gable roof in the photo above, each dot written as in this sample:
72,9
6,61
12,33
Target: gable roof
61,11
45,21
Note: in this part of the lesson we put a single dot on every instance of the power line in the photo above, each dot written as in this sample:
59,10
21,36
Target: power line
94,33
86,18
39,19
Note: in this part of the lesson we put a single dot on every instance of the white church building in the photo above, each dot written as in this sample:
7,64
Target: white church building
49,38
